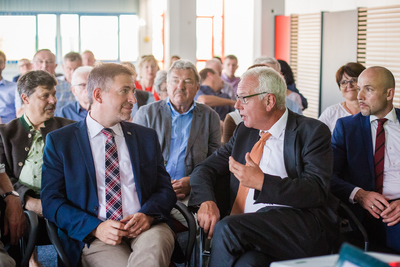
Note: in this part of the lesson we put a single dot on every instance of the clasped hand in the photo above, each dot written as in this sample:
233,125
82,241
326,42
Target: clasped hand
111,232
379,207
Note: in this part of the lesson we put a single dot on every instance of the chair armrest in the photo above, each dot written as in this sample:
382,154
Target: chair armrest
28,241
191,226
52,231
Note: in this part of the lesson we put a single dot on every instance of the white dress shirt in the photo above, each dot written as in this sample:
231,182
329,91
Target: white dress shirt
391,173
130,199
272,161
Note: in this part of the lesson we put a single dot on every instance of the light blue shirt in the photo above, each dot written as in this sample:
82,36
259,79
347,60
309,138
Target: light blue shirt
180,131
7,95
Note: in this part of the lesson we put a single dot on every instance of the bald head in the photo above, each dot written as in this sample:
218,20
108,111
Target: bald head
376,91
214,64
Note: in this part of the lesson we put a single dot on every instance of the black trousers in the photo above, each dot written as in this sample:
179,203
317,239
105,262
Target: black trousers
270,234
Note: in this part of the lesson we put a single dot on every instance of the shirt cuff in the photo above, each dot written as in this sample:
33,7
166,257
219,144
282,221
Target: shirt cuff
352,195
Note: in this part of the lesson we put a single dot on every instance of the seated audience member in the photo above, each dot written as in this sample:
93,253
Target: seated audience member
77,110
188,132
88,58
280,165
287,73
210,93
7,94
273,63
160,84
216,65
22,140
72,61
230,67
105,186
24,65
231,121
173,59
366,173
346,78
44,59
142,97
148,67
14,223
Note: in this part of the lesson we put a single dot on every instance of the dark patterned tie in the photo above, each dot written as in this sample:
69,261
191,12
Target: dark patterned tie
112,176
379,157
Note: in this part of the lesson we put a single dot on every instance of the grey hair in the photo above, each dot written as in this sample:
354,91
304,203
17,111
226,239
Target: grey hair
80,71
269,80
161,77
270,61
182,64
28,83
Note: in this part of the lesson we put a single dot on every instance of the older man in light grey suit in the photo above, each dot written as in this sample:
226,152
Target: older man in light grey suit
188,131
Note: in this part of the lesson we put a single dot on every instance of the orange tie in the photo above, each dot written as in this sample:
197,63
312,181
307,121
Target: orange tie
255,154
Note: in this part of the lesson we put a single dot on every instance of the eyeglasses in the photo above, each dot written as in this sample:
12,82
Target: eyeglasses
81,85
243,99
352,81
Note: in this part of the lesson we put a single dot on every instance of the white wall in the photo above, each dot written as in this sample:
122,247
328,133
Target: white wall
313,6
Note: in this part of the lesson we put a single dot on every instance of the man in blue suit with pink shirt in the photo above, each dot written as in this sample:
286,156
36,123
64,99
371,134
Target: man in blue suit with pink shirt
104,182
366,148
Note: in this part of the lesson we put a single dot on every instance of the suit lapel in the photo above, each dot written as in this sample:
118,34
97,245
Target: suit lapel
367,142
289,145
165,113
131,138
196,124
82,137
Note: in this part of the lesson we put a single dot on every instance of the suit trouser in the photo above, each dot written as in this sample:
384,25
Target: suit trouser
153,247
272,233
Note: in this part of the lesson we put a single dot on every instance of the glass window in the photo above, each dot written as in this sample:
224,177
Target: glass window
158,7
99,34
69,27
209,29
18,41
47,31
129,42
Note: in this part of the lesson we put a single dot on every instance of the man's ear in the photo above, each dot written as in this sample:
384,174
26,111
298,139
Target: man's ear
73,90
390,94
25,98
98,95
270,100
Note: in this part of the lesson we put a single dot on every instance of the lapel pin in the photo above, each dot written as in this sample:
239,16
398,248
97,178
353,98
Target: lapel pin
129,133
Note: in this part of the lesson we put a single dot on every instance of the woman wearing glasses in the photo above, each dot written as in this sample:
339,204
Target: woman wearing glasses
346,78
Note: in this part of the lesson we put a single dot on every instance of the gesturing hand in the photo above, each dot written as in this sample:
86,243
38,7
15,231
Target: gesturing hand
249,175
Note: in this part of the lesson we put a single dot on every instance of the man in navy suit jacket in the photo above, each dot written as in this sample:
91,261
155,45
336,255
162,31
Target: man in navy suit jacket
73,184
353,143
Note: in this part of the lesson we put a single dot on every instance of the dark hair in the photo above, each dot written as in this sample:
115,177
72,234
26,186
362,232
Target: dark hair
286,72
73,56
28,82
352,69
219,58
204,72
103,75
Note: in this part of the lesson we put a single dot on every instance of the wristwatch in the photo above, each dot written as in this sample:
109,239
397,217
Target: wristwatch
14,193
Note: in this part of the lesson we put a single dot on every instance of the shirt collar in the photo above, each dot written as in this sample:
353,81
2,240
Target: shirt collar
2,81
28,122
277,129
174,112
391,116
95,128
